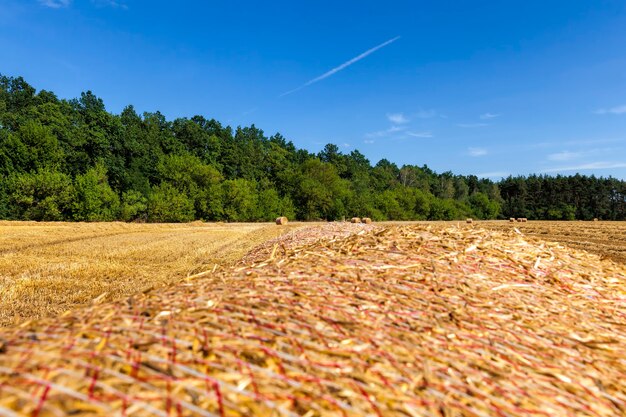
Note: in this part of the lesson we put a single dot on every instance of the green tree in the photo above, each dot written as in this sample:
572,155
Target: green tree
483,207
35,148
385,175
320,192
199,181
388,206
134,206
160,167
94,198
168,205
42,195
240,200
445,209
4,199
271,205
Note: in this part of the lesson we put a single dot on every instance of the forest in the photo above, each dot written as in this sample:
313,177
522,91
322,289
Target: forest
73,160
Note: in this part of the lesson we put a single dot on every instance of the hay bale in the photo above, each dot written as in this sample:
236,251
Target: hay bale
249,340
469,221
519,219
366,220
355,220
281,221
512,219
524,219
595,219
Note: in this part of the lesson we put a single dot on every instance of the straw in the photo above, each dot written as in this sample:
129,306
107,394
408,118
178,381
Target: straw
386,321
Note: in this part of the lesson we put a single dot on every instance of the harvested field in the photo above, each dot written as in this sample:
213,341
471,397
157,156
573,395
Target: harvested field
607,239
404,320
281,246
48,268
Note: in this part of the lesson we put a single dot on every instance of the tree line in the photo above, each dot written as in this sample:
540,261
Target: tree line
73,160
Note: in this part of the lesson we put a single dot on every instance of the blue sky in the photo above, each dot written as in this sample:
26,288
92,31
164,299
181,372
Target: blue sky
476,87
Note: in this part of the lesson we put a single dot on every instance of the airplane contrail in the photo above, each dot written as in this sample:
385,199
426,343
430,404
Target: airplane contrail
342,66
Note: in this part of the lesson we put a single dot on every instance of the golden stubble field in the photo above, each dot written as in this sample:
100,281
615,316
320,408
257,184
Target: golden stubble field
390,321
604,238
48,268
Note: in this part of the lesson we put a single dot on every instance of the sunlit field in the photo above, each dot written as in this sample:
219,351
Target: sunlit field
48,268
421,318
605,238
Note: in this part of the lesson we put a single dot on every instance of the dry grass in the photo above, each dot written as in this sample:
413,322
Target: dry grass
401,321
48,268
607,239
604,238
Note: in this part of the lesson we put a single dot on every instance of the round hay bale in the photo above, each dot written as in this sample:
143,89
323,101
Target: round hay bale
519,219
366,220
355,220
469,221
512,219
595,219
524,219
281,221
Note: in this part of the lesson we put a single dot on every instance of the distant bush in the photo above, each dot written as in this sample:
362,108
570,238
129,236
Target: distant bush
167,204
94,199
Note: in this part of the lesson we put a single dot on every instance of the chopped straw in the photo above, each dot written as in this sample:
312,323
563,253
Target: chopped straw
397,321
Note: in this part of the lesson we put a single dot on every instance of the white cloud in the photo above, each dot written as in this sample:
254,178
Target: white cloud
472,125
494,174
55,4
420,134
488,116
397,118
588,166
368,141
588,152
342,66
116,4
585,142
477,151
383,133
346,145
60,4
613,110
564,156
377,134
